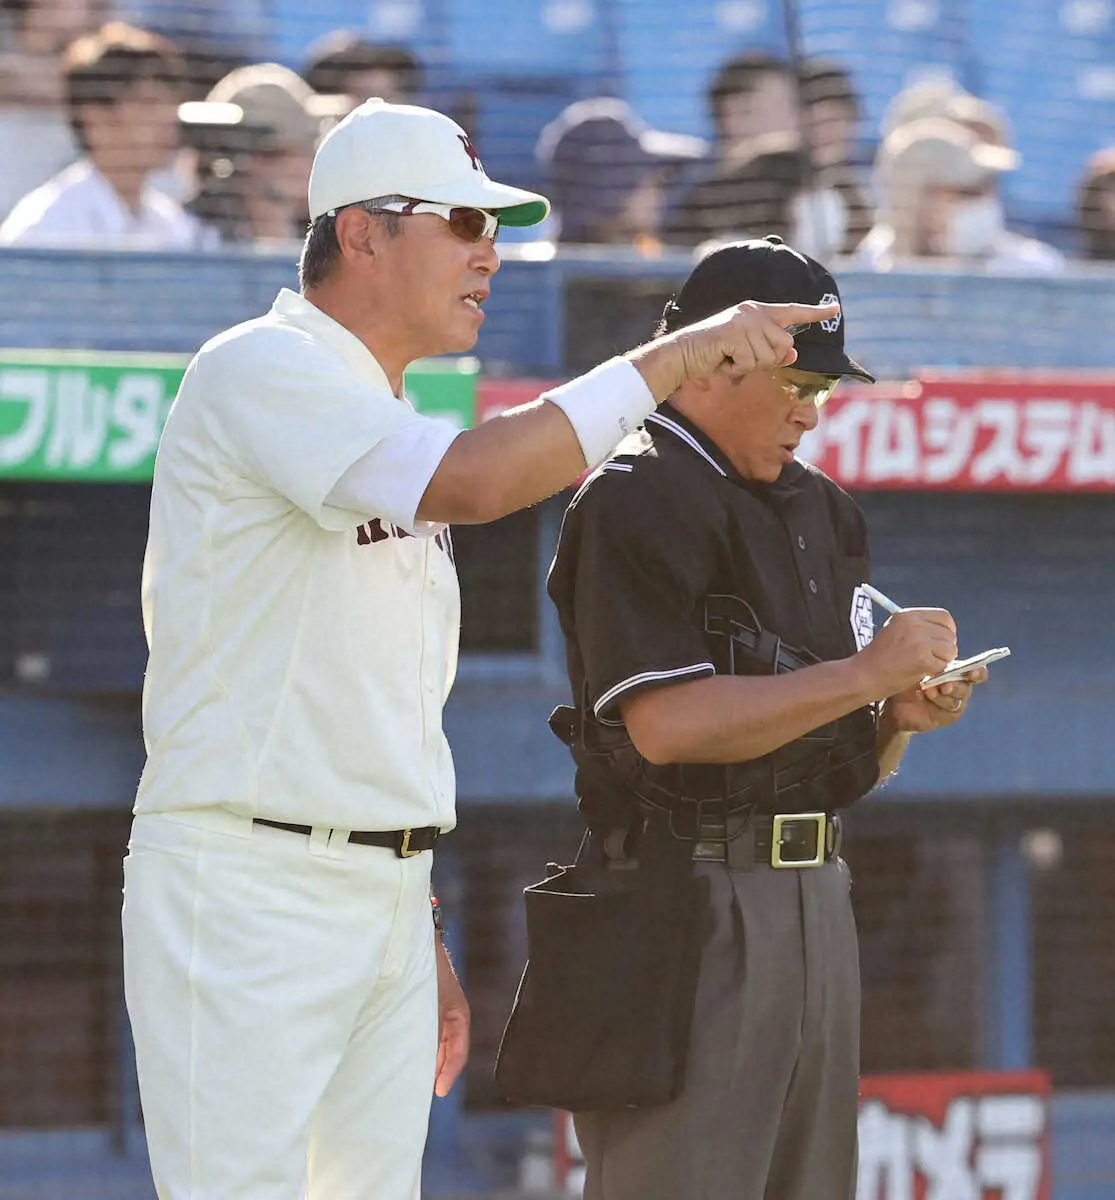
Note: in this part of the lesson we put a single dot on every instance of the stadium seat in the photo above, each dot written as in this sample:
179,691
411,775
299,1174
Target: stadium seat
1051,66
667,64
296,26
547,37
885,45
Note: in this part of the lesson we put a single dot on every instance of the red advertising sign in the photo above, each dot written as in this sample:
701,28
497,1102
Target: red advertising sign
970,433
946,431
970,1136
976,1136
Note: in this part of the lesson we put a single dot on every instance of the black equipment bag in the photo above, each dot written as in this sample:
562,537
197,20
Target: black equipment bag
602,1016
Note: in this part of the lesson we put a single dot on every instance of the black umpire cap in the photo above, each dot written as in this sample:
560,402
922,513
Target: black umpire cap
767,270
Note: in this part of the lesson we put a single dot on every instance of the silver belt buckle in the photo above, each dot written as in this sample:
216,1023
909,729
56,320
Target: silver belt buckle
819,823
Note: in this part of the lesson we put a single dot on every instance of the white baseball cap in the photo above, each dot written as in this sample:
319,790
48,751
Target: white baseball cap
383,149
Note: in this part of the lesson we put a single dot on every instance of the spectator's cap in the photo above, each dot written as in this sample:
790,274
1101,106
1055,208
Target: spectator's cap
262,107
334,58
920,101
939,153
986,120
943,99
767,270
597,152
383,149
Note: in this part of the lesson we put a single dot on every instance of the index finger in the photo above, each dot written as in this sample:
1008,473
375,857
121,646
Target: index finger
796,317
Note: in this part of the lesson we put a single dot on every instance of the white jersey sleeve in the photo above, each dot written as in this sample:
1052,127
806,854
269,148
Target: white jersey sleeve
295,419
391,479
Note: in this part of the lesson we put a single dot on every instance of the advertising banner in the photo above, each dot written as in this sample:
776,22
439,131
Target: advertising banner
89,417
970,433
964,1136
80,417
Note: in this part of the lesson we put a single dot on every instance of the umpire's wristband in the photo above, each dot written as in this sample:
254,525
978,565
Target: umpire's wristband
604,406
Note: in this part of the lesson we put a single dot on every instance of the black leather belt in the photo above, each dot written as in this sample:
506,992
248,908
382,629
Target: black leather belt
783,840
405,842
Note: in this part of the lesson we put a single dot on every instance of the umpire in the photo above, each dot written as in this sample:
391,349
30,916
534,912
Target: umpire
731,701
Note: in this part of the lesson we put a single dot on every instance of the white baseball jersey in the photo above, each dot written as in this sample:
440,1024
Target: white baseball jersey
79,207
300,653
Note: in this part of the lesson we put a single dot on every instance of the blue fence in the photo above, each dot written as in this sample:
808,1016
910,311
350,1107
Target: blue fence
897,321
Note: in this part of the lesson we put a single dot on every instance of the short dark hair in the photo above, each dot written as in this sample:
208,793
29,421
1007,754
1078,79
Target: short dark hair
820,79
100,67
321,250
1098,179
341,54
740,76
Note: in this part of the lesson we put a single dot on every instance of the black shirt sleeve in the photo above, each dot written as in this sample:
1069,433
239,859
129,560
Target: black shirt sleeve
632,571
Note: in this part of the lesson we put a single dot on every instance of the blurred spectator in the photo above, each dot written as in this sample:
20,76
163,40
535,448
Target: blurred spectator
752,96
939,186
831,112
255,135
753,102
608,171
344,64
775,172
36,140
832,212
122,87
1096,206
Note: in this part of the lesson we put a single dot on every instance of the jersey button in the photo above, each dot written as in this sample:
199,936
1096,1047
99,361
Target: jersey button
801,542
813,586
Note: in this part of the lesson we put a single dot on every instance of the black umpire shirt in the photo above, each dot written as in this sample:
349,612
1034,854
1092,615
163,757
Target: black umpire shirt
668,521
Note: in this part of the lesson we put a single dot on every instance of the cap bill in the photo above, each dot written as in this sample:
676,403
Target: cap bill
828,360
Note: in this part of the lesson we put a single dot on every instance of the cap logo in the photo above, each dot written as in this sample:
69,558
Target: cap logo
833,323
470,150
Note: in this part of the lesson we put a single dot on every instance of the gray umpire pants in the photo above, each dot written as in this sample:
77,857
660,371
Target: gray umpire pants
769,1107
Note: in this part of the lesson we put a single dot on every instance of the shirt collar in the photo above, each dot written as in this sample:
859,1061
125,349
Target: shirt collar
673,424
293,309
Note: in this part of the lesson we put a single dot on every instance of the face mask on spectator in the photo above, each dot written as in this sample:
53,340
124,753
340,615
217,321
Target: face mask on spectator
974,227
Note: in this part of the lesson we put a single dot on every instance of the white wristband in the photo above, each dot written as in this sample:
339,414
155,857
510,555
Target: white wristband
604,406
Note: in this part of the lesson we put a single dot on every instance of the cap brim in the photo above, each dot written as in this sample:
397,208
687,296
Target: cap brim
829,360
996,158
514,205
665,148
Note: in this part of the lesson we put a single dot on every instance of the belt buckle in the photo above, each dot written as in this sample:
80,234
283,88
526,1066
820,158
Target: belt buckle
404,850
818,820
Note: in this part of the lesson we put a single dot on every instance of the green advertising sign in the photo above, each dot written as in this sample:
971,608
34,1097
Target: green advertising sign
83,417
92,417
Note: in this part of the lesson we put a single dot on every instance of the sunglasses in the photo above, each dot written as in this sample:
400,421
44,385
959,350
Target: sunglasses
815,394
469,224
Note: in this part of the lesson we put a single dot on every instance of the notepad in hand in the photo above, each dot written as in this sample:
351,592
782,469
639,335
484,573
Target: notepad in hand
960,668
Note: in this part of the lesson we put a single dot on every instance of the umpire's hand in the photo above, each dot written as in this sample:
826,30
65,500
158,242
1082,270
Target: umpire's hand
747,337
914,643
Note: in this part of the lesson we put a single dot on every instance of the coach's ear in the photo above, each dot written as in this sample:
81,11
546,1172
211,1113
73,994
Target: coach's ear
356,231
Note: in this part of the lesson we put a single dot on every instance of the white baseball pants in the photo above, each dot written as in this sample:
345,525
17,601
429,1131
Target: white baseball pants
282,991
